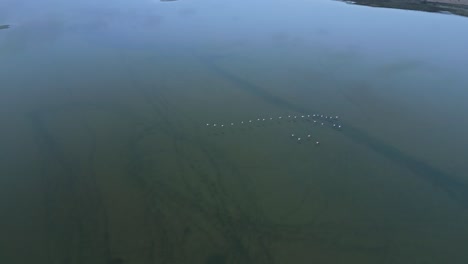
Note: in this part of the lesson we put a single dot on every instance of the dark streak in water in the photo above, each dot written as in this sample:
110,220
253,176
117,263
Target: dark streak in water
163,197
251,88
69,213
453,187
4,27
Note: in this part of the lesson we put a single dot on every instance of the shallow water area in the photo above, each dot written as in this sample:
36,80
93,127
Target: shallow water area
126,133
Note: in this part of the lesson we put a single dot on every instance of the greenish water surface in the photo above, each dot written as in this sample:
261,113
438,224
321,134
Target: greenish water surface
106,155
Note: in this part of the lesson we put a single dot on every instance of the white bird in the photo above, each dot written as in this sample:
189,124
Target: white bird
316,143
232,124
214,124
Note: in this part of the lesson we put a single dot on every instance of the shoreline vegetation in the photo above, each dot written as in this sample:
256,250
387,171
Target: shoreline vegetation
416,5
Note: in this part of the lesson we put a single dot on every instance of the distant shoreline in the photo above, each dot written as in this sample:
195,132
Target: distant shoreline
449,2
4,26
436,6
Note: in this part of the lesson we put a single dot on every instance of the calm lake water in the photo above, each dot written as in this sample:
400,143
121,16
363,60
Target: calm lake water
106,156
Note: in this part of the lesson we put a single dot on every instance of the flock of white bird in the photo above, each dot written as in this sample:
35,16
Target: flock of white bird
314,118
